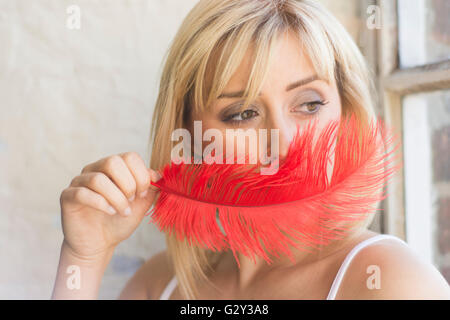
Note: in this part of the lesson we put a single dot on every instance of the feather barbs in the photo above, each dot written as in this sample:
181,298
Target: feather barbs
266,215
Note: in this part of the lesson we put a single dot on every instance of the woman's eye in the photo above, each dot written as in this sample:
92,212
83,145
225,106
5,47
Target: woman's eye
311,108
242,116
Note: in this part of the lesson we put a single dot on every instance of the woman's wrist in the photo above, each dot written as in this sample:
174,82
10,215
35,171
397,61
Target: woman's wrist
79,277
92,260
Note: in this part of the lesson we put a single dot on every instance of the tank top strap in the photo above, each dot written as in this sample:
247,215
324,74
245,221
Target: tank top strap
167,292
343,268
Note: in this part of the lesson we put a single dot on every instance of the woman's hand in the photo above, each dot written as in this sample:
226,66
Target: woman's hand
105,204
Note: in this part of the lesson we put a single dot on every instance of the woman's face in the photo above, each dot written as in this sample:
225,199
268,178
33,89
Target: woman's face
291,95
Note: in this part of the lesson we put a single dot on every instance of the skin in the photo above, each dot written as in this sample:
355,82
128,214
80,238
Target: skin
91,233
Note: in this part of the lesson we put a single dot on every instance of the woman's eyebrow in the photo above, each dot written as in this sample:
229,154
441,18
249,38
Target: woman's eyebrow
296,84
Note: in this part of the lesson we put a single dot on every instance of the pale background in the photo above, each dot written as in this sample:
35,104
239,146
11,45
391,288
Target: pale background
68,98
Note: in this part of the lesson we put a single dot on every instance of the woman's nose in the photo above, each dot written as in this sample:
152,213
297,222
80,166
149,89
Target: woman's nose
278,144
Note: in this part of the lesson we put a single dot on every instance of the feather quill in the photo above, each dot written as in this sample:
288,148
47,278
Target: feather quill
267,215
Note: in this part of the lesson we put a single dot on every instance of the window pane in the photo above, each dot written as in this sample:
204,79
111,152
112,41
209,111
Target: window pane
424,31
426,120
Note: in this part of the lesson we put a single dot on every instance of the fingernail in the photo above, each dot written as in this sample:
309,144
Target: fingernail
111,210
156,176
127,211
132,198
143,194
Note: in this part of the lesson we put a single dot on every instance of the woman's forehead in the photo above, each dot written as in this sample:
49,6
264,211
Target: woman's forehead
288,64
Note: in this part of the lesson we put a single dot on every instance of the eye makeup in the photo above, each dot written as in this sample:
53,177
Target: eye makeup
229,114
307,103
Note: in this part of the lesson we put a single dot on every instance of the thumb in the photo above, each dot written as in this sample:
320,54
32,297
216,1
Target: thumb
153,191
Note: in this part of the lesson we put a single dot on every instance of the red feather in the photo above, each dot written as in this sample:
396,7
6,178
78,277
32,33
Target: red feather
264,214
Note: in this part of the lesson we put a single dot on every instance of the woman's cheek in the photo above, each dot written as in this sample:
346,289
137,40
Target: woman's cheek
333,115
330,162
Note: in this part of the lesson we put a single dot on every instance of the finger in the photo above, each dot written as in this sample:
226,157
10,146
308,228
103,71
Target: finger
153,190
87,197
139,171
115,168
154,176
101,184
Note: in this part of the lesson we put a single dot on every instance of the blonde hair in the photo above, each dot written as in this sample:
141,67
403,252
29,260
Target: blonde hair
214,37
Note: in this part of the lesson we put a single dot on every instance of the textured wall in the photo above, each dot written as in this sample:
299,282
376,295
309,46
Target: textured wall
69,97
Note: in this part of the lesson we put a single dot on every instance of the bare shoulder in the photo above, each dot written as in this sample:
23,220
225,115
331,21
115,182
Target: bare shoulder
391,270
150,279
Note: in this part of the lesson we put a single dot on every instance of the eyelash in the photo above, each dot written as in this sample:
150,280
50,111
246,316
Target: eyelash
321,103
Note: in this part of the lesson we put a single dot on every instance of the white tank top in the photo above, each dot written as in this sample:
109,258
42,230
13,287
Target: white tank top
167,292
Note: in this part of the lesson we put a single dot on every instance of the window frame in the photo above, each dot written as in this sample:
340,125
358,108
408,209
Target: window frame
393,84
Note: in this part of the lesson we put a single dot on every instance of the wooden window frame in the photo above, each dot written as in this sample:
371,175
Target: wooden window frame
393,83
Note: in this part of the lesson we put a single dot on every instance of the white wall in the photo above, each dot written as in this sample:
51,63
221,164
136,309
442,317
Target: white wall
68,98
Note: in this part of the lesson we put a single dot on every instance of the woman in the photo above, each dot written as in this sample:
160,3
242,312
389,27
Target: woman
240,64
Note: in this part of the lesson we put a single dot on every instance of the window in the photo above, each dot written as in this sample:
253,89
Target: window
414,81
